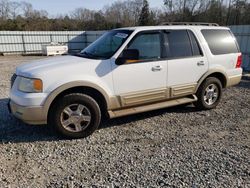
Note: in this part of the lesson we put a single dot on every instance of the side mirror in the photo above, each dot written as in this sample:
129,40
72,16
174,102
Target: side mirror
127,54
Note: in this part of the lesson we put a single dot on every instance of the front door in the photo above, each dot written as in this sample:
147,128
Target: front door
145,80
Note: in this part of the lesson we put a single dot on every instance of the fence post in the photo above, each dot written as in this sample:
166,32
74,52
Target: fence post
51,40
86,39
68,43
24,47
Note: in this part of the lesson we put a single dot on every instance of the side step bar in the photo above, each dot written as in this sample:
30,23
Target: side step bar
149,107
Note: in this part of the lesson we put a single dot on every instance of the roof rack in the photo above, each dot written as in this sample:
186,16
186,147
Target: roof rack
190,23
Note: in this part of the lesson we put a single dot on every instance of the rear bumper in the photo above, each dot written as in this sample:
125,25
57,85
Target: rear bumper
30,115
234,80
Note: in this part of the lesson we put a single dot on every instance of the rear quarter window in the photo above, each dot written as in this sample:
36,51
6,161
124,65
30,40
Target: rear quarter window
220,41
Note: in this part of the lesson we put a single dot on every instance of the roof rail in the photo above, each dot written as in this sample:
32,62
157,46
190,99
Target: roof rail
190,23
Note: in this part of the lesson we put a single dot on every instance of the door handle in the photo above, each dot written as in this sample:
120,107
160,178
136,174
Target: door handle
157,68
201,63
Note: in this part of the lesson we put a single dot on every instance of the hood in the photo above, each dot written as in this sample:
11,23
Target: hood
43,67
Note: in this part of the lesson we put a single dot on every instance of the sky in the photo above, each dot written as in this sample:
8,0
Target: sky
57,7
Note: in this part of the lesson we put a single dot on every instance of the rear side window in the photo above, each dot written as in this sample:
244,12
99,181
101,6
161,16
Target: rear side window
179,44
220,41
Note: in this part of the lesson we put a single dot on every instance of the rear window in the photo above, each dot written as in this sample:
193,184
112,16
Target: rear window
220,41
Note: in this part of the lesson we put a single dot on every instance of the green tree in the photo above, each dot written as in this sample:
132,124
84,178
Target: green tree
145,17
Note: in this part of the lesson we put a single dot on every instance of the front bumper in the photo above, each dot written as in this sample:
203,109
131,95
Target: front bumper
30,115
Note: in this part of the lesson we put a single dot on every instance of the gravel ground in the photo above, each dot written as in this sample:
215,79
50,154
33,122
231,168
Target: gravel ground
174,147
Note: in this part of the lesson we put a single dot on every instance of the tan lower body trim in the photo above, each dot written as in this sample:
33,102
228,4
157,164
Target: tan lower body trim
151,96
149,107
30,115
234,80
137,98
183,90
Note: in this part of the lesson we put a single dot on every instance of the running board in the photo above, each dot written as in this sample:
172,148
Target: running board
149,107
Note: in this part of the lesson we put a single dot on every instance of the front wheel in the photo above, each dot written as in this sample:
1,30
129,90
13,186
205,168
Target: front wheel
209,94
75,115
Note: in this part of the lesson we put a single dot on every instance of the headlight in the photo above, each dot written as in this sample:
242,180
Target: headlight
30,85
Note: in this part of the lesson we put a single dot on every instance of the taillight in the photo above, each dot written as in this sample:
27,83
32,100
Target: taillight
239,61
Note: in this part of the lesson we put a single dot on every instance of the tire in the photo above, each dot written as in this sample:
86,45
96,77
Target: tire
75,115
209,94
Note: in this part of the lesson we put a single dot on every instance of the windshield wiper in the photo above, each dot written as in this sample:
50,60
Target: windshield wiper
90,55
85,54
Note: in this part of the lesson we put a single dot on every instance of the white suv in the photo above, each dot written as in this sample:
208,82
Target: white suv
127,71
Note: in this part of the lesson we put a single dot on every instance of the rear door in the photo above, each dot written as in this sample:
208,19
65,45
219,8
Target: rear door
186,62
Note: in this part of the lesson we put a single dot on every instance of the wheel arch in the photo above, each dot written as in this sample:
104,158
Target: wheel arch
95,91
219,74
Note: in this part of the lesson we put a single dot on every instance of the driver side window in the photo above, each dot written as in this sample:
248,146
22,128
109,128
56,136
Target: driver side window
148,45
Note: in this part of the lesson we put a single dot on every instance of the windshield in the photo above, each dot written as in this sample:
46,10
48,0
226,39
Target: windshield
106,46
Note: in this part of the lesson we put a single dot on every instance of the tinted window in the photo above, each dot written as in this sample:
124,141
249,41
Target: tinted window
179,44
195,45
220,41
148,44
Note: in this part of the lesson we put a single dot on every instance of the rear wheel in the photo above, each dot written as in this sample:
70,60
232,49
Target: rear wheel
209,94
75,115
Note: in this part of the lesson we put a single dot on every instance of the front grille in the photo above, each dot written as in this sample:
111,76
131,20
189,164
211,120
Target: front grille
12,80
